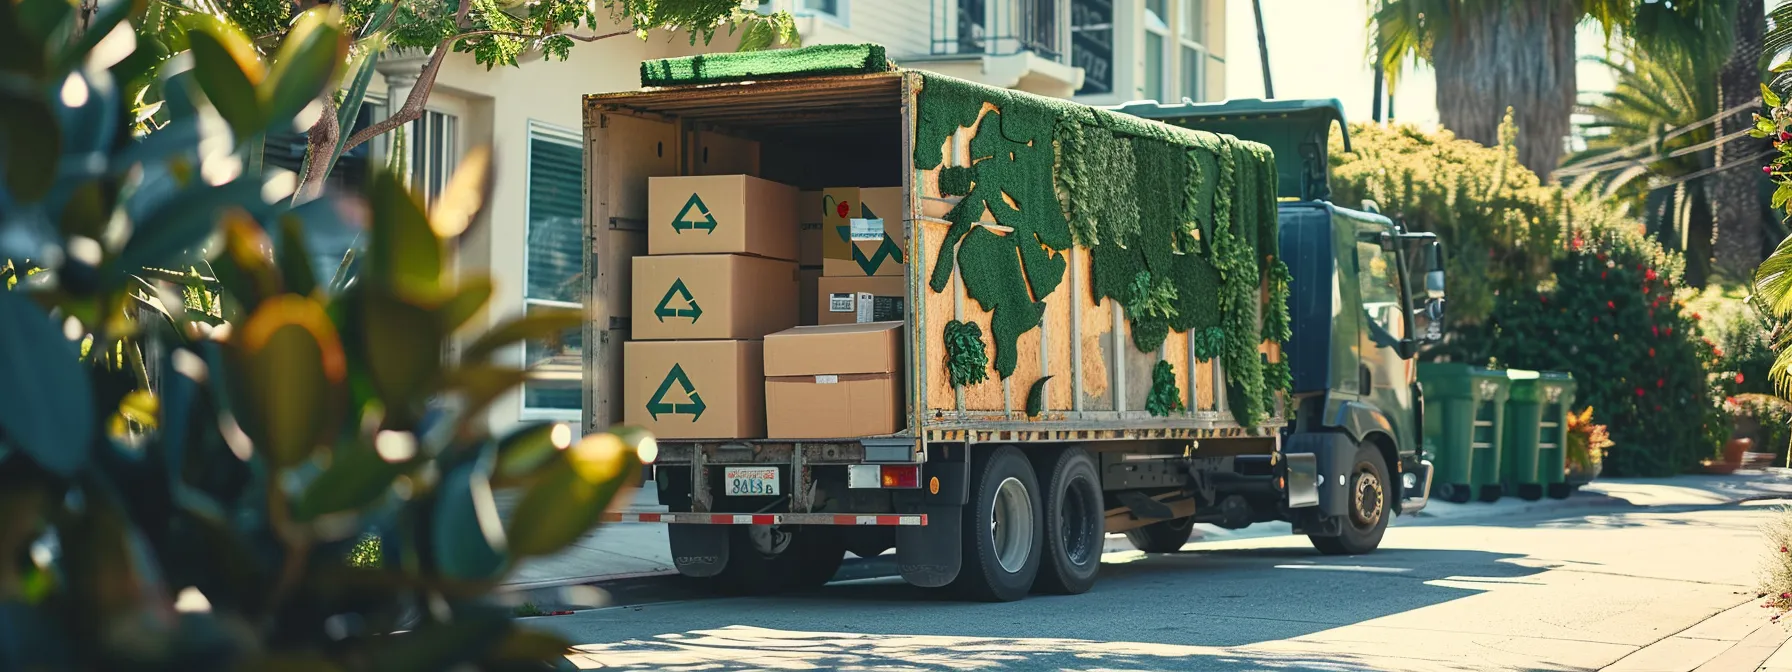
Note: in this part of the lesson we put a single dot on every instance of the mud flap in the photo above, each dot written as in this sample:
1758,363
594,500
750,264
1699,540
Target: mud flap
699,550
1333,456
929,555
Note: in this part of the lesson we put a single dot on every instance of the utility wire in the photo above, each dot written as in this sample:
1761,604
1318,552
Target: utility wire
1714,169
1614,159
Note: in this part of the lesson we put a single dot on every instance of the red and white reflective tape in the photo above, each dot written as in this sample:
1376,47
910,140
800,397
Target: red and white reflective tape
765,519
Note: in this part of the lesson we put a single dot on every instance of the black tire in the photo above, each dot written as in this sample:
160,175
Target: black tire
1530,492
765,560
1165,536
1075,524
1492,493
984,575
1561,490
1367,517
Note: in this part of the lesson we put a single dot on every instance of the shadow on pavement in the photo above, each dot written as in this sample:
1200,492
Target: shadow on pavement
1125,623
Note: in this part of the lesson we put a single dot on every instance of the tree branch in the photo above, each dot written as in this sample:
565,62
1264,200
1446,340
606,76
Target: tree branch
426,80
320,143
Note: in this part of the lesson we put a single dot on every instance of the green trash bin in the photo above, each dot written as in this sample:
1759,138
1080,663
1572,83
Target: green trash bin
1552,394
1464,425
1520,459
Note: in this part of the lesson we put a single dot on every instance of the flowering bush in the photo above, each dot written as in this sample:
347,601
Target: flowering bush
1776,576
1612,320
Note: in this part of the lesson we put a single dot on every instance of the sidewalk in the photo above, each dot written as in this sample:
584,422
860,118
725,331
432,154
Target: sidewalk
621,551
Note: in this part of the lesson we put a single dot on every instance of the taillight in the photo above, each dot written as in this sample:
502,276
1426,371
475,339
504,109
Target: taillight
901,475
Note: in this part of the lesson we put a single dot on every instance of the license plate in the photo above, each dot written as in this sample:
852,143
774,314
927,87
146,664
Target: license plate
751,480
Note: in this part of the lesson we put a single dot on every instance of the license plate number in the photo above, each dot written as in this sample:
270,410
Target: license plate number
751,480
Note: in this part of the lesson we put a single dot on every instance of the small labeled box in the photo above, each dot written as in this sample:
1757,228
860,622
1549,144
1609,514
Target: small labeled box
862,232
835,381
712,296
695,389
861,299
721,214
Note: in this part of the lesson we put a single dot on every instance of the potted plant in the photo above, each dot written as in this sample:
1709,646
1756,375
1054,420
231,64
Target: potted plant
1587,445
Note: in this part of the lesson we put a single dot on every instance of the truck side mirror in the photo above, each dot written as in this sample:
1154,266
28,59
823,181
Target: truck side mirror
1434,273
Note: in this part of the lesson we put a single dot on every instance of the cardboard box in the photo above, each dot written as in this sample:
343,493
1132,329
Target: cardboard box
695,389
834,381
712,296
863,232
721,214
860,299
809,216
808,282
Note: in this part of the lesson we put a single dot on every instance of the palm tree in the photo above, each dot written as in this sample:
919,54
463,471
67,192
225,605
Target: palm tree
1734,188
1491,54
1657,104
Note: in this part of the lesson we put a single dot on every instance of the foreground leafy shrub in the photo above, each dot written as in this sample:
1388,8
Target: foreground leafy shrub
1612,320
184,489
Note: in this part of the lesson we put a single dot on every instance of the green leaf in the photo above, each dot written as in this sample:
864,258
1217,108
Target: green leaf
524,451
305,66
537,325
356,478
295,374
29,129
403,347
1036,397
181,224
1768,96
294,259
50,413
571,496
1781,194
141,407
465,194
228,71
404,253
360,76
472,295
464,526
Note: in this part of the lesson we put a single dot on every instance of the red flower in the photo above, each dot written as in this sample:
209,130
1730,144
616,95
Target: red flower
1661,382
1649,274
1716,352
1543,298
1738,377
842,209
1655,329
1651,352
1697,317
1639,391
1610,306
1784,136
1595,319
1602,275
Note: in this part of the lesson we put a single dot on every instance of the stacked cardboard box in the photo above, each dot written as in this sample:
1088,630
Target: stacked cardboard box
809,216
720,275
834,381
863,256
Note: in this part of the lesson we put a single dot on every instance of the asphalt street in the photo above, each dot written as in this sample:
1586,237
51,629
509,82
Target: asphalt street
1539,593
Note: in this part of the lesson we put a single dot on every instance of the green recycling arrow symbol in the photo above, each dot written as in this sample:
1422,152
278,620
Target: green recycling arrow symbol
678,290
683,222
658,404
887,250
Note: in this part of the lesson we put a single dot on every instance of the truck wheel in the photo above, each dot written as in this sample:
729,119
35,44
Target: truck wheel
767,559
1003,529
1164,536
1074,525
1367,517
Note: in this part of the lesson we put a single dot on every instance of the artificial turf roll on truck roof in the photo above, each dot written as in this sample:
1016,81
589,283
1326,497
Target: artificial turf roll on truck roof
822,59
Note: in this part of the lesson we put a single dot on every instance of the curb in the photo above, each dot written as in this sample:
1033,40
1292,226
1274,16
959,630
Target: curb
858,568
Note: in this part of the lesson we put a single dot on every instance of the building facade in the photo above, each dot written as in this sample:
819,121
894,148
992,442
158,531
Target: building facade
529,238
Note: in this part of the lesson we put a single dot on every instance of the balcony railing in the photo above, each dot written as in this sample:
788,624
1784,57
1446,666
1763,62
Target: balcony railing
998,27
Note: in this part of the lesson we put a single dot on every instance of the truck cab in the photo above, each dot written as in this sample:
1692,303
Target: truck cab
1366,295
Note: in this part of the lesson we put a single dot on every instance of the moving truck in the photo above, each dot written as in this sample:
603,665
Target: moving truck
1067,321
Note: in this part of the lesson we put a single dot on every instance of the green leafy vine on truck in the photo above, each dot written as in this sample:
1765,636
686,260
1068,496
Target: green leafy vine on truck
1171,217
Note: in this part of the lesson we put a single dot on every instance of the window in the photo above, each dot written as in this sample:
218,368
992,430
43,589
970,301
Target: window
1092,44
1157,32
553,265
828,7
1193,37
434,152
1378,278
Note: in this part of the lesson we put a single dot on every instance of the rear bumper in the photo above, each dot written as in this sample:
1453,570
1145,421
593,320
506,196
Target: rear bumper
878,520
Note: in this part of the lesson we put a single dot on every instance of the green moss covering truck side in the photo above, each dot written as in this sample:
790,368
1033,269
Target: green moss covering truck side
1113,316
